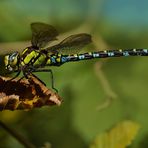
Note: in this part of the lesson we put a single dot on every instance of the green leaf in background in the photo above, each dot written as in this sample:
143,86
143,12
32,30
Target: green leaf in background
119,136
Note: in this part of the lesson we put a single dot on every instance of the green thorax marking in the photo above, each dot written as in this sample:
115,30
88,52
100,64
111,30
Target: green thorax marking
34,57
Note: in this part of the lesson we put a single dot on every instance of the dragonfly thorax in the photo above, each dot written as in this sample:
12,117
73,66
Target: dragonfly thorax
32,57
12,61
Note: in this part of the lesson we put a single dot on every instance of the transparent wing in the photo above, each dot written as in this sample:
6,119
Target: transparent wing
71,44
42,34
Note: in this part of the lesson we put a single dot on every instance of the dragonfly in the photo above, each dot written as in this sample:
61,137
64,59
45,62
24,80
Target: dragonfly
39,58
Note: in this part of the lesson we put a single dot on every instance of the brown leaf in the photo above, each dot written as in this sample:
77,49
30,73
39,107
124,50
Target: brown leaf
25,94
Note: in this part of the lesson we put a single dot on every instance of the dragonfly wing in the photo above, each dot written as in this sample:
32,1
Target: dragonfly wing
71,44
42,34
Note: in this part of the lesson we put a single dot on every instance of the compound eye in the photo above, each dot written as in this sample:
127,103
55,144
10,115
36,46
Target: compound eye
7,63
13,59
6,60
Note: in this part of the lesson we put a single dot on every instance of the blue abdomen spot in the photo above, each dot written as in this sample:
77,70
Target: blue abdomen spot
125,53
63,59
95,55
145,50
81,57
53,60
110,54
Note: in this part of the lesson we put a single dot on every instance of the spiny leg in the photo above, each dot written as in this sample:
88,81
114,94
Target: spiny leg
25,75
29,70
37,78
52,78
18,73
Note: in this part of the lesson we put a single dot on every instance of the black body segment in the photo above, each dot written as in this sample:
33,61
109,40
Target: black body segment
59,59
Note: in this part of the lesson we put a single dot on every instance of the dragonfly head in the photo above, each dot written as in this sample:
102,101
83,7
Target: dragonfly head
11,61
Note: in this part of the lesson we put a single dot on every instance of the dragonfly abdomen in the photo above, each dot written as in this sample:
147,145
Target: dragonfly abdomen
98,54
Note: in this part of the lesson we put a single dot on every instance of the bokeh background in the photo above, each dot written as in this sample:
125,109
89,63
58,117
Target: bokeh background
96,94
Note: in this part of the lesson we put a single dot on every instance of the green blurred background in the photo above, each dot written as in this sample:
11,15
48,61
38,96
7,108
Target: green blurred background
96,94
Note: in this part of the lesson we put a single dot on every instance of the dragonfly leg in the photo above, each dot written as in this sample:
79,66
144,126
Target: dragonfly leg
22,78
18,73
38,78
52,78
